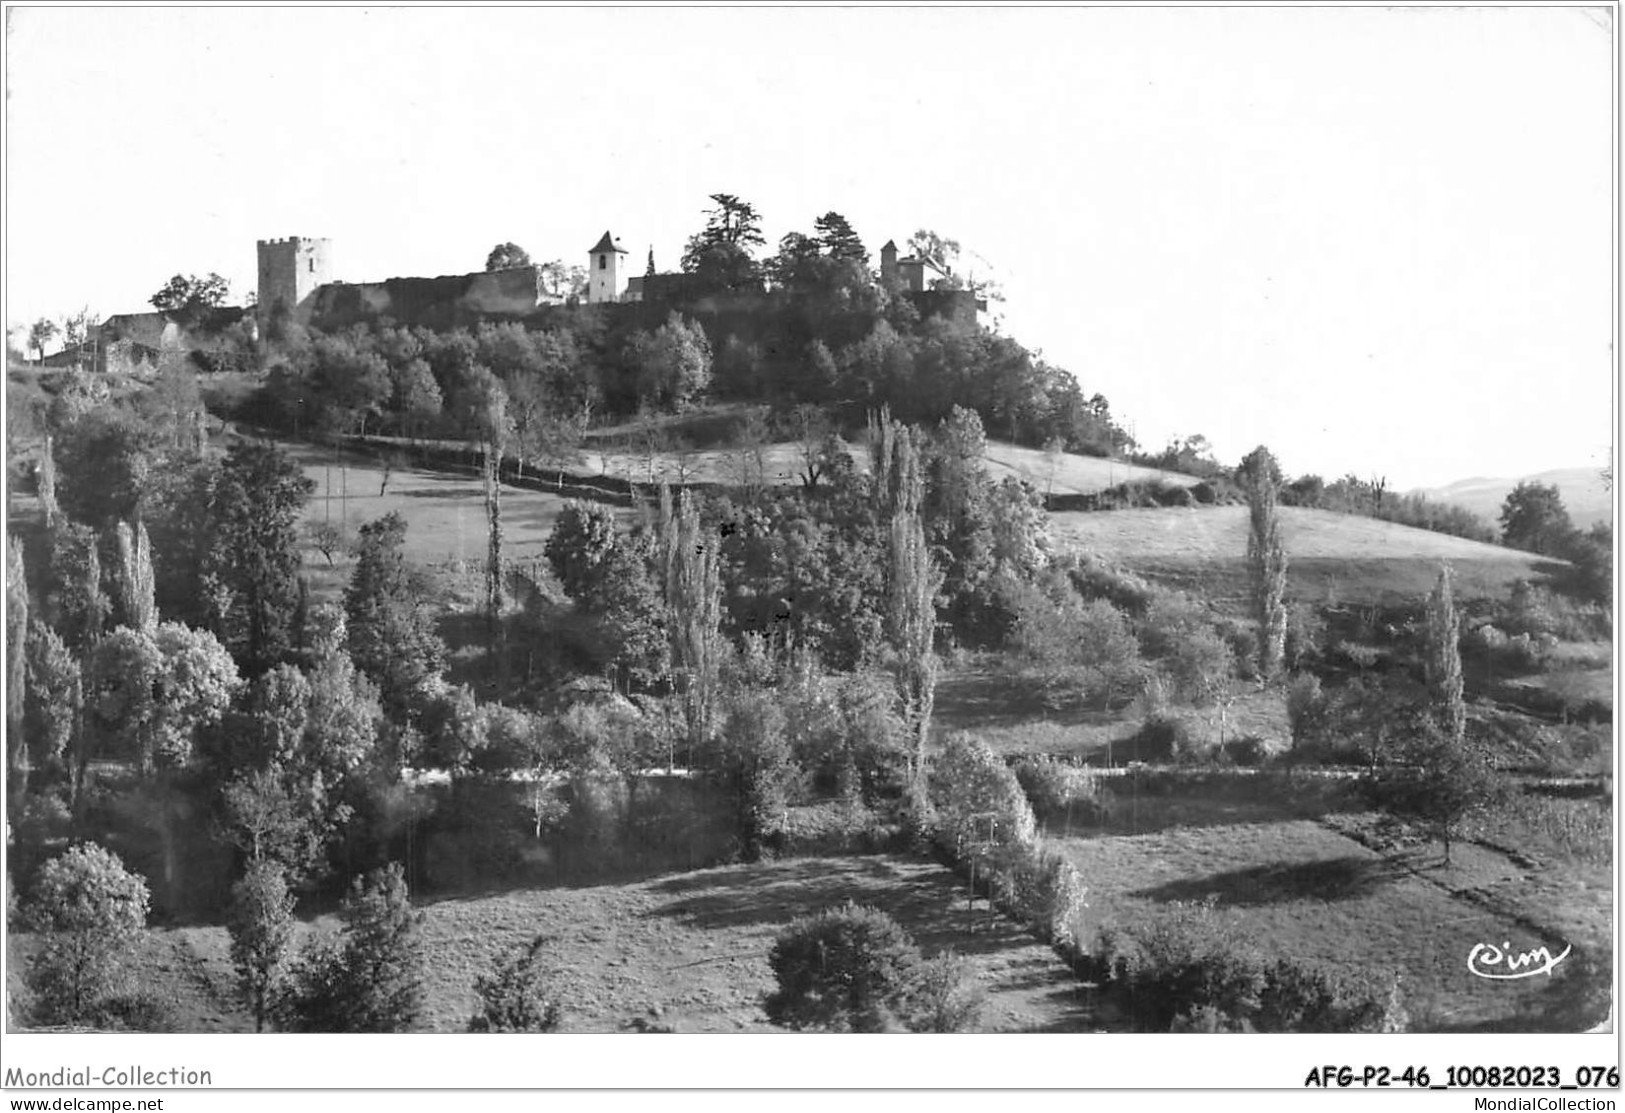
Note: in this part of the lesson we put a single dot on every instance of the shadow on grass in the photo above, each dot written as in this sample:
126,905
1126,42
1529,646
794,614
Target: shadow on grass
930,904
1331,879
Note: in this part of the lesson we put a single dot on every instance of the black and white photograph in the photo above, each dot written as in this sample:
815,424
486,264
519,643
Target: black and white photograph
1088,522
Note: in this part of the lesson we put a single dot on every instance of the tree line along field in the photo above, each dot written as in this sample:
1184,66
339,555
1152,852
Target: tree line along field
655,744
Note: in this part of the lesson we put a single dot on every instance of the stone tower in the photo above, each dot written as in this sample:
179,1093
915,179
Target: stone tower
888,262
290,272
606,271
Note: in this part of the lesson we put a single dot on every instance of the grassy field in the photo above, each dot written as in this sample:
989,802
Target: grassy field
1306,891
1071,475
1332,558
687,951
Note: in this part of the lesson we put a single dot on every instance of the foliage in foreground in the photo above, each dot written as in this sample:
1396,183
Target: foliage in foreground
854,969
88,910
372,979
1187,967
515,996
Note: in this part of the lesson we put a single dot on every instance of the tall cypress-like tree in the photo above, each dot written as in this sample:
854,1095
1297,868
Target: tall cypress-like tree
690,556
16,665
136,587
1266,559
912,583
1442,663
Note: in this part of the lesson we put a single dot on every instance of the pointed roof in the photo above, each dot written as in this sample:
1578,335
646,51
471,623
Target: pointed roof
607,243
890,245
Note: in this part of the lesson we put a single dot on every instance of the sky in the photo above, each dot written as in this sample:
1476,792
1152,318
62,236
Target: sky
1377,240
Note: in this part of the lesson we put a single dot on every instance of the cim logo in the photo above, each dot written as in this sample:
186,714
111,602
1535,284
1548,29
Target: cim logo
1486,960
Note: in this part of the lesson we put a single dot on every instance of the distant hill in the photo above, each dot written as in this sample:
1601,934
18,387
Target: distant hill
1587,499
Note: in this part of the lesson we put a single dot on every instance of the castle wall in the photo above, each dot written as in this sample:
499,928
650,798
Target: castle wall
435,302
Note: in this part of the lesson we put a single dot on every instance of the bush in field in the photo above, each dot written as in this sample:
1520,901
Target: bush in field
1183,957
854,969
372,980
944,996
1165,737
1058,790
89,911
969,781
515,996
845,969
1301,998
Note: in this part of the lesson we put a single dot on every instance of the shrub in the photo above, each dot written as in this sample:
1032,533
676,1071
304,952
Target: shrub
1041,888
372,980
1164,738
1057,789
1303,998
89,910
847,969
514,996
943,996
969,781
1182,957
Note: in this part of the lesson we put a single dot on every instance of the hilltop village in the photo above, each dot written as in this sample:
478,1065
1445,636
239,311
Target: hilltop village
295,280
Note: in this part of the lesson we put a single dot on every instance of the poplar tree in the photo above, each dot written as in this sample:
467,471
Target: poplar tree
16,664
1442,661
912,583
689,556
1266,559
137,593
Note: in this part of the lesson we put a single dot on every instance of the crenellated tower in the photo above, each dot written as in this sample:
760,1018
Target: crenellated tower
290,271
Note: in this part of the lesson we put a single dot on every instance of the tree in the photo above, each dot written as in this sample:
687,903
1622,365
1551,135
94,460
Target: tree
89,910
691,557
260,923
1266,559
151,690
912,583
673,362
505,256
41,333
515,995
1450,776
372,980
190,297
391,633
137,603
561,280
16,666
78,330
1533,518
839,241
752,760
255,552
1442,662
54,697
940,250
720,254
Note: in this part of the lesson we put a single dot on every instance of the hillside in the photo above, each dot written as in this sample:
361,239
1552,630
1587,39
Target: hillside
1584,494
1333,557
1072,474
